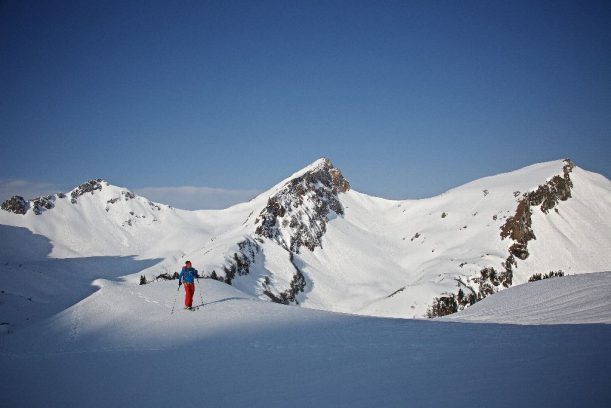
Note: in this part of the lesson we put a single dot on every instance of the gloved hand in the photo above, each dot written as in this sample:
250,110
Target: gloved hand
179,283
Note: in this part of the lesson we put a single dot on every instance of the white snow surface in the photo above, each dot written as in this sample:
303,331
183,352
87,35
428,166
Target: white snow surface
123,346
573,299
76,329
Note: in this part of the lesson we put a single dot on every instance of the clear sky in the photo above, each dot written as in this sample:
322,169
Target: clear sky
407,98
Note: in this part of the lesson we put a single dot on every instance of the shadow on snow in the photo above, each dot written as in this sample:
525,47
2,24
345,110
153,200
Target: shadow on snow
35,286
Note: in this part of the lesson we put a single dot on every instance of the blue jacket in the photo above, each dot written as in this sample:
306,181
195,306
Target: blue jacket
187,275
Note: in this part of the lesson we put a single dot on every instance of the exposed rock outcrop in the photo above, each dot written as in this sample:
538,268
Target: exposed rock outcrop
297,215
16,204
297,285
546,197
241,261
41,204
88,187
19,205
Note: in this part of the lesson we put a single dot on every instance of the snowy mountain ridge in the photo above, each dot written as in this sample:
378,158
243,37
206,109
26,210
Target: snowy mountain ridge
313,240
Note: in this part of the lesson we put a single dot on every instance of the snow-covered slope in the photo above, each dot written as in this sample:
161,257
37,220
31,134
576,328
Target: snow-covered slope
420,249
314,241
123,346
328,247
582,298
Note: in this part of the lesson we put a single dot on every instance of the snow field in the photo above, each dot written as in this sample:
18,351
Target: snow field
123,347
584,298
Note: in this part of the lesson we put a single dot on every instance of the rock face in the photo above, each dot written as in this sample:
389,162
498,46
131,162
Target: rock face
297,215
298,284
16,204
546,197
242,260
88,187
41,204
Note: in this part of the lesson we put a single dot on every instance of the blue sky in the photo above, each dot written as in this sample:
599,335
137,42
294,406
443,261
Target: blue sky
407,98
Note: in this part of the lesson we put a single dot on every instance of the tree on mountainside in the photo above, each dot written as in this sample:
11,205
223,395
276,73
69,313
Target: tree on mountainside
552,274
442,306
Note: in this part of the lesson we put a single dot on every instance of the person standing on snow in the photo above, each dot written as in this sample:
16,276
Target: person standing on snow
188,276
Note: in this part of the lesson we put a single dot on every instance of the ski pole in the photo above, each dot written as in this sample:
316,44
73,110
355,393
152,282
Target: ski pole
200,292
175,297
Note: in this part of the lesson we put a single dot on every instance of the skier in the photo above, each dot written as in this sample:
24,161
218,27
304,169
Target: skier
188,274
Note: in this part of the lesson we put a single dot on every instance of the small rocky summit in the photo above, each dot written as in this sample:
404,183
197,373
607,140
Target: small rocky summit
16,204
19,205
41,204
88,187
297,214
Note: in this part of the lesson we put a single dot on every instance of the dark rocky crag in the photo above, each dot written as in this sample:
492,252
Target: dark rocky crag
16,205
19,205
88,187
299,211
242,260
41,204
546,197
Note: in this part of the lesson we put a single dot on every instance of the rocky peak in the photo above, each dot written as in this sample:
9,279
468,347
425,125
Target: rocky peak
16,204
297,214
89,187
19,205
323,170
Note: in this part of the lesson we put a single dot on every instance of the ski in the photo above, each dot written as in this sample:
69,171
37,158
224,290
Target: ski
192,309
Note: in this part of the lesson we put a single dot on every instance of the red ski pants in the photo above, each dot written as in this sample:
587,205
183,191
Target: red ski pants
189,291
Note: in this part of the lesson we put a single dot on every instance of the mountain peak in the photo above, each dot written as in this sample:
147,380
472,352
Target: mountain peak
321,170
321,163
321,167
297,213
19,205
88,187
